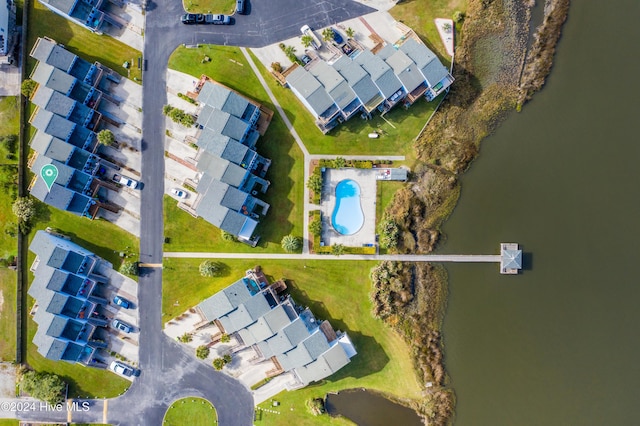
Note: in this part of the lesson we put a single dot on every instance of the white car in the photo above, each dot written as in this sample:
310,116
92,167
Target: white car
120,368
126,181
179,193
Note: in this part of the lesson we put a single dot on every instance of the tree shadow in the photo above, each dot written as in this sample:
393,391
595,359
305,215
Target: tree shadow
371,357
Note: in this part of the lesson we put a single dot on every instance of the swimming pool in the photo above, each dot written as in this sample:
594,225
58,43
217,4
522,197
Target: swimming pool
347,217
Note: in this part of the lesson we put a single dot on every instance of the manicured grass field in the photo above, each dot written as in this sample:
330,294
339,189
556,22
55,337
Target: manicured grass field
419,16
230,68
9,422
352,137
191,411
89,46
334,290
226,7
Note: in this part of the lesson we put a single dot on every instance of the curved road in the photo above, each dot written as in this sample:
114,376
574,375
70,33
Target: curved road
168,370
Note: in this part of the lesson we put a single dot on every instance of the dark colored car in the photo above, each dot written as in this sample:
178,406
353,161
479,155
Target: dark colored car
121,301
305,59
336,36
240,7
192,18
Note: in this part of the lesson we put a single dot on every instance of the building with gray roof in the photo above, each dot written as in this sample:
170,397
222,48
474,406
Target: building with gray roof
364,81
86,13
70,295
230,172
277,329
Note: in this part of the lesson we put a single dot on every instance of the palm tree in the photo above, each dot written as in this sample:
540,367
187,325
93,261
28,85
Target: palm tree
291,244
306,40
350,32
327,34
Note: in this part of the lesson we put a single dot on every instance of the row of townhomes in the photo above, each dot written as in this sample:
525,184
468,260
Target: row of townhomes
263,318
69,99
368,80
230,172
70,293
91,14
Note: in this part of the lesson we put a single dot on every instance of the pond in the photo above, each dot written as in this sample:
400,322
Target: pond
366,408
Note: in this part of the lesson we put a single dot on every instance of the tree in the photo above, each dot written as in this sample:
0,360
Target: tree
446,27
350,32
218,363
337,249
209,268
25,209
105,137
306,40
315,227
327,34
458,16
47,387
185,338
339,162
227,236
202,351
315,183
225,338
129,268
291,244
28,87
227,358
290,50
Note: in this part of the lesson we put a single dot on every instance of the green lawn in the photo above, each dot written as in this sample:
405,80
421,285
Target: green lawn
89,46
227,7
7,315
334,290
9,422
420,15
9,121
352,137
191,411
230,68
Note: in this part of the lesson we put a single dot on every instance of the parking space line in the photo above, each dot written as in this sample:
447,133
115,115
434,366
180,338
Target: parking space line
104,411
69,410
150,265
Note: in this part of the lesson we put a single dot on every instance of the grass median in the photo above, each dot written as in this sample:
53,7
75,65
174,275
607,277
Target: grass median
190,411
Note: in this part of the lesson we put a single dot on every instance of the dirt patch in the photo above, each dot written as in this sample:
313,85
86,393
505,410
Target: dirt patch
7,380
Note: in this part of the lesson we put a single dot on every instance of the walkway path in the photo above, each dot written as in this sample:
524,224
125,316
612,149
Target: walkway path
473,258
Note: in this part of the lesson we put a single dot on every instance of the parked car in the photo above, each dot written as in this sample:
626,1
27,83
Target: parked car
336,36
179,193
122,326
305,59
126,181
240,7
217,19
315,41
121,301
188,18
125,370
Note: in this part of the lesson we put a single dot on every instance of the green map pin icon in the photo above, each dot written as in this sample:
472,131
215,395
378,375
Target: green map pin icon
49,173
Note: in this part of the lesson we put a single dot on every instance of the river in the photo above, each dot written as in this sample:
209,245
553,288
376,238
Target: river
559,343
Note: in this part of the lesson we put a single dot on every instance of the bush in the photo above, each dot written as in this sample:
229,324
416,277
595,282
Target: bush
315,183
24,208
227,236
187,98
178,116
28,87
389,233
225,338
458,16
105,137
47,387
337,249
316,406
185,338
339,163
219,363
129,268
10,142
202,352
275,66
291,244
209,268
227,358
315,227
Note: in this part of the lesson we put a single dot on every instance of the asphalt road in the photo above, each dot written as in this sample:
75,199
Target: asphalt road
170,371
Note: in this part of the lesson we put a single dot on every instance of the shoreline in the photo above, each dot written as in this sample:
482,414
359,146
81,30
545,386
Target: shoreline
488,87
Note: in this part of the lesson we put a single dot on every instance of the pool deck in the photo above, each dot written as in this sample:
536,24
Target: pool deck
366,178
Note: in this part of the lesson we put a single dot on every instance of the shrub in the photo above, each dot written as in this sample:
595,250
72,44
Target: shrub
129,268
202,352
276,66
315,227
458,16
105,137
10,142
47,387
339,162
24,208
291,244
227,236
185,338
389,233
315,183
28,87
209,268
178,116
187,98
227,358
337,249
316,406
